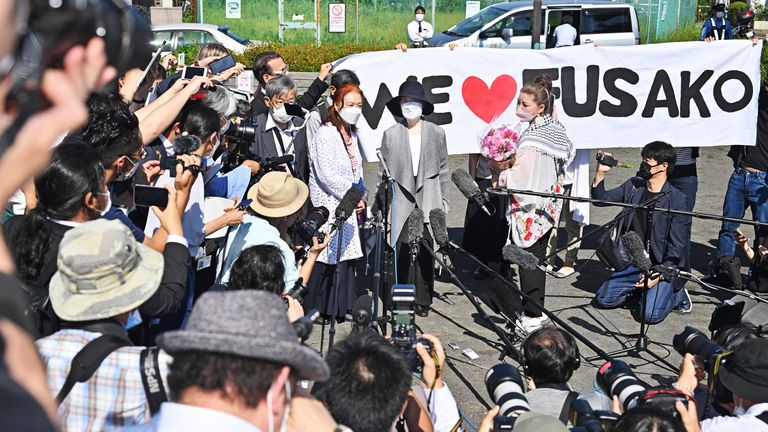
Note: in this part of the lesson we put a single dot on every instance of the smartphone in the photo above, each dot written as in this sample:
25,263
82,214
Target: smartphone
169,163
190,72
244,204
147,196
222,64
294,110
181,59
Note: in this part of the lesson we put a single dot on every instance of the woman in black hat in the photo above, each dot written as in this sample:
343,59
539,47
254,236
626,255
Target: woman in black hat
416,154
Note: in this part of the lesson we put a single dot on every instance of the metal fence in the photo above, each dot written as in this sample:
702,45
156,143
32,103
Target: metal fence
383,22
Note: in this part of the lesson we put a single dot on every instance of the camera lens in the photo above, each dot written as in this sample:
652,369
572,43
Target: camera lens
693,341
505,386
616,379
310,226
243,131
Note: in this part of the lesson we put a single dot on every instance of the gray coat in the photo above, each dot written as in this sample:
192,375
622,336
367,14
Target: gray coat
429,189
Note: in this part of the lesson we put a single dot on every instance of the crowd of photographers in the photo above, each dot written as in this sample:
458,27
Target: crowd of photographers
159,246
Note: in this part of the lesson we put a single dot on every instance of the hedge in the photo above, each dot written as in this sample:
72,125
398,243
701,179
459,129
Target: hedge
308,57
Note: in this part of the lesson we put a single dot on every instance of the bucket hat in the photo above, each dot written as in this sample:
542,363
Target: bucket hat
745,372
414,90
103,272
278,194
250,324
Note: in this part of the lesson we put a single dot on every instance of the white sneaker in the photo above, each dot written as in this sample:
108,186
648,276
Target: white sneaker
565,271
527,324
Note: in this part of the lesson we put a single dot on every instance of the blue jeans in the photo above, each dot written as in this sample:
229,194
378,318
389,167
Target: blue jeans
688,185
745,189
620,289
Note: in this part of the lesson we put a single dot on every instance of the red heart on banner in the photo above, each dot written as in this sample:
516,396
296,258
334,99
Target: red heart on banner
487,103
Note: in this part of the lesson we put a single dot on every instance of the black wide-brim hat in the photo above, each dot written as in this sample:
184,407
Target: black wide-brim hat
414,90
745,372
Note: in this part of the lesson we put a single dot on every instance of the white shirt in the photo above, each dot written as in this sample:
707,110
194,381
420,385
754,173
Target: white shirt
413,31
191,220
180,417
167,144
742,423
414,139
286,135
565,35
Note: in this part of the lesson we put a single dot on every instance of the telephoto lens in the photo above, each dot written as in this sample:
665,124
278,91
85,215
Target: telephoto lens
693,341
616,379
505,386
310,226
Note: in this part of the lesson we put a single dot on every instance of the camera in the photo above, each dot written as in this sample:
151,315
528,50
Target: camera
309,227
584,418
606,160
617,379
693,341
245,132
404,326
298,291
505,386
53,28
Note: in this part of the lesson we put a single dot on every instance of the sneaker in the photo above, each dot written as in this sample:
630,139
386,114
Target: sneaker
564,272
527,324
685,304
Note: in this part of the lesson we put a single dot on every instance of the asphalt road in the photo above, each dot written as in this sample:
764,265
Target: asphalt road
569,298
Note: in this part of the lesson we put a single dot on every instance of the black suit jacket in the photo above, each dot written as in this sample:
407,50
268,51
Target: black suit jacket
265,146
306,101
169,297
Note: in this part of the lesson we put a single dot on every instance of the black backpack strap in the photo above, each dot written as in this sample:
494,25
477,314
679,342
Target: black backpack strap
152,380
565,413
88,360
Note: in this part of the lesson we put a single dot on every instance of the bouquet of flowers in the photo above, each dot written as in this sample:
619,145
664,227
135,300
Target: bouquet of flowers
499,145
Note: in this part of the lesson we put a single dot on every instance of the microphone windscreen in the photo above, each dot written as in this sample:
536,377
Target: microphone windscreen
379,200
348,203
518,256
437,220
636,250
361,310
415,225
465,183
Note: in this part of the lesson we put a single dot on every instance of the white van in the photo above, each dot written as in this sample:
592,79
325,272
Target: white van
508,25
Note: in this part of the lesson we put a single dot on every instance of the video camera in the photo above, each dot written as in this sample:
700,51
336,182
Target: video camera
404,326
53,28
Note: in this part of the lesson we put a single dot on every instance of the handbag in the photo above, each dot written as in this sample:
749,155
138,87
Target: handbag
610,249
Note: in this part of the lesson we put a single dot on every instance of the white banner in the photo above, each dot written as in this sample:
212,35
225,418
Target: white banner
687,94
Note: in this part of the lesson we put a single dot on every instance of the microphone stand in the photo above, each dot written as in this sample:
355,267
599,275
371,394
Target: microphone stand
509,348
565,326
336,278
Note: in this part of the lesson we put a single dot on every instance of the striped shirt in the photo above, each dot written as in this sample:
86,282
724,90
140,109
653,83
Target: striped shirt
114,396
684,156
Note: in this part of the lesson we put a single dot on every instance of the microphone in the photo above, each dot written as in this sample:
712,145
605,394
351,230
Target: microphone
437,220
634,246
303,325
347,206
523,258
361,312
526,260
671,272
469,188
383,163
415,225
379,200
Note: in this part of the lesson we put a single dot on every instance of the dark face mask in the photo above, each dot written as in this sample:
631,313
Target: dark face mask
645,170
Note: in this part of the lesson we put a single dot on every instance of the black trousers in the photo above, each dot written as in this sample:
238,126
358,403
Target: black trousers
422,274
534,282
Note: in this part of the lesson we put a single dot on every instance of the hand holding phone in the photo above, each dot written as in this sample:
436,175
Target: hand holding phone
190,72
148,196
244,204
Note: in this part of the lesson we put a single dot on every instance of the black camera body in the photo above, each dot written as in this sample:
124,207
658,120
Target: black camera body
309,227
606,160
584,418
404,326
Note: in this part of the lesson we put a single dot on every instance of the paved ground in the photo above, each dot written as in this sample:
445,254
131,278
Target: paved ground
569,298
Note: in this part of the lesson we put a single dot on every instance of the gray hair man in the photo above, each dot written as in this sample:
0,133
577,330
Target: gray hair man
281,130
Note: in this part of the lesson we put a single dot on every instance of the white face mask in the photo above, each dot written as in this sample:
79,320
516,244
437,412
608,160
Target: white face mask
280,115
411,110
524,115
216,145
109,203
350,115
286,411
124,176
419,17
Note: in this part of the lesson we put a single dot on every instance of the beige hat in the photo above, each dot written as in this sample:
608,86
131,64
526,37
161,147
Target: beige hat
103,272
278,194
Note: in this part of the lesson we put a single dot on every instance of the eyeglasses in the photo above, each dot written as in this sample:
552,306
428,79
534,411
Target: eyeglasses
282,71
142,155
